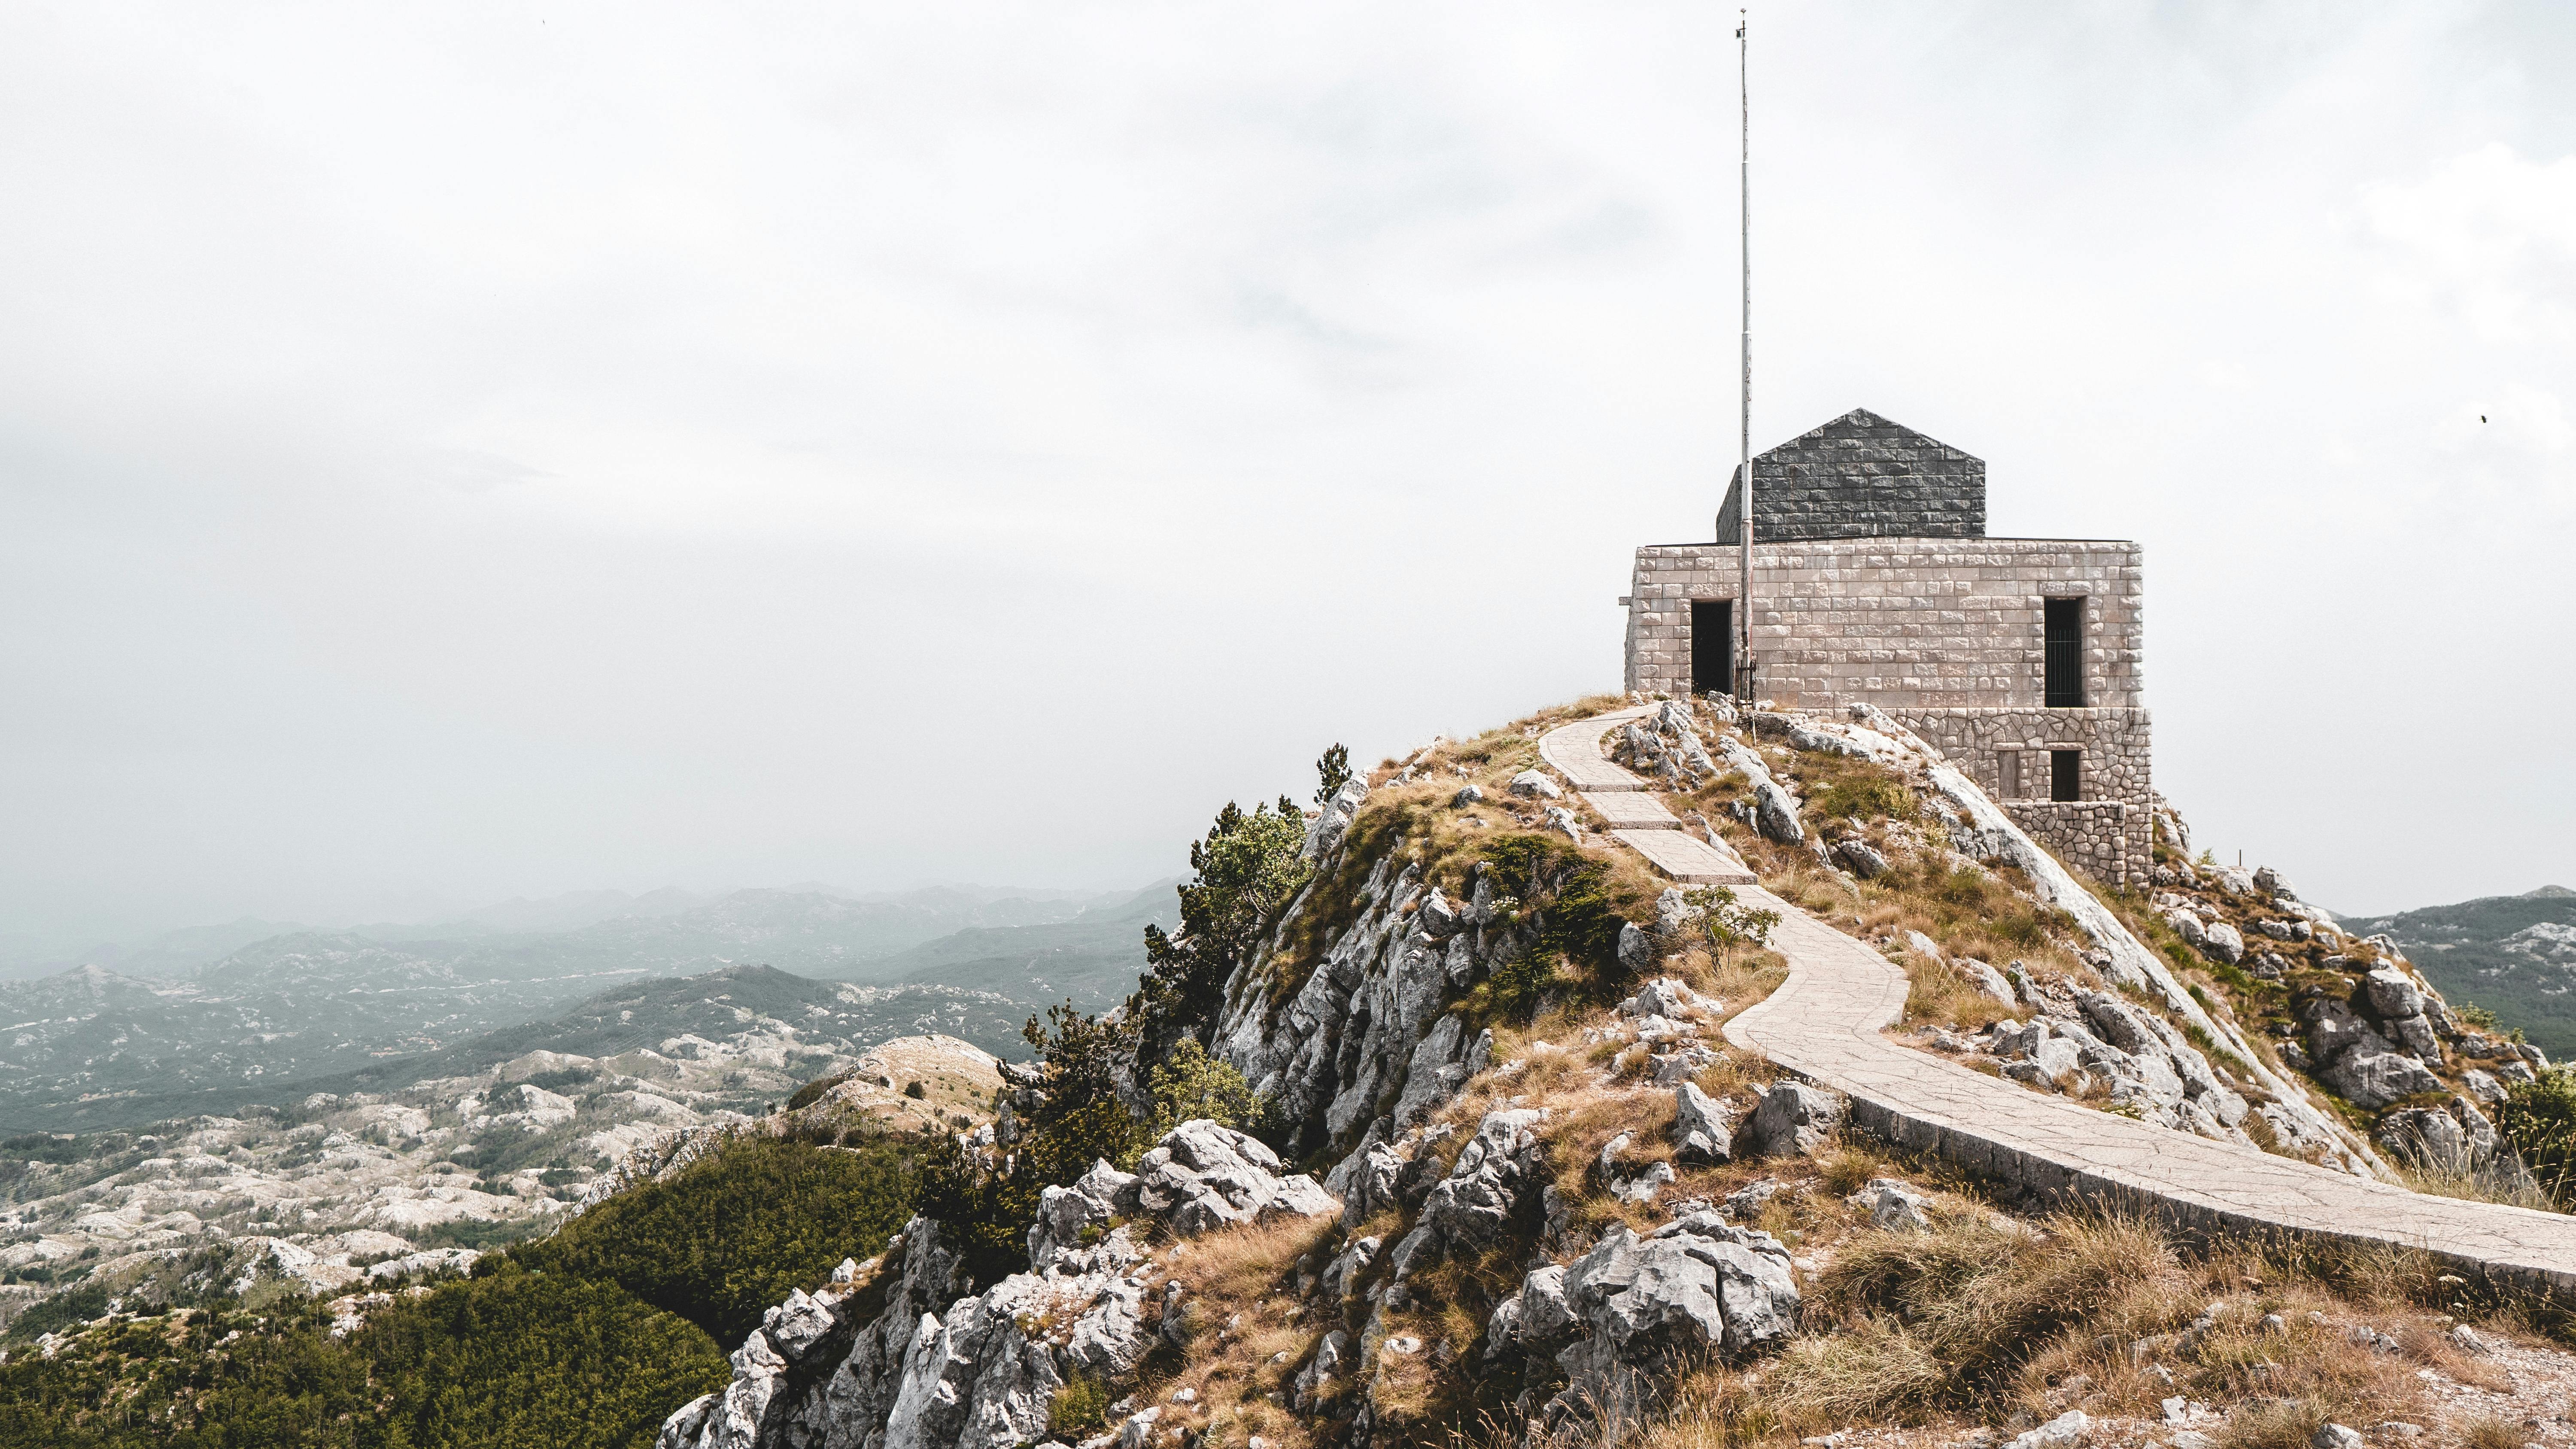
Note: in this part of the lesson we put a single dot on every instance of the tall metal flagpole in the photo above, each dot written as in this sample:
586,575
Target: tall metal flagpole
1744,514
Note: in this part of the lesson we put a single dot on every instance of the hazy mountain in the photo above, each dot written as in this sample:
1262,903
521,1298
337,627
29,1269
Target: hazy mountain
1092,960
2514,955
294,1007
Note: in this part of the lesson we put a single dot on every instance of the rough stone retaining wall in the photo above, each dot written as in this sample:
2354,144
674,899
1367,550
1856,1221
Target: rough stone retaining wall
2105,839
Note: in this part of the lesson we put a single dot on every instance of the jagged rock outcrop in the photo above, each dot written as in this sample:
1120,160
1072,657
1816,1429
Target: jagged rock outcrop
1367,1026
1471,1205
889,1356
1618,1320
2455,1138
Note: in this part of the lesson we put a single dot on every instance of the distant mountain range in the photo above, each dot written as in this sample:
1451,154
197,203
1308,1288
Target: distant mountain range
2513,955
276,1013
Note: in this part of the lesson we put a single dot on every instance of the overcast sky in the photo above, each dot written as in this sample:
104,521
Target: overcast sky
459,452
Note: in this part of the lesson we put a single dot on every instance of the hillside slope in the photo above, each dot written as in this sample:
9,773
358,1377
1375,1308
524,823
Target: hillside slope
2513,955
1543,1199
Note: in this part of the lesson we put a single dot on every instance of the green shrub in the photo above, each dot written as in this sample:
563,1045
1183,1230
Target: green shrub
916,1091
1194,1085
2539,1119
1082,1405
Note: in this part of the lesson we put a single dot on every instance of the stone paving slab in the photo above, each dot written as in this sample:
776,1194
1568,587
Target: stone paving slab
1632,810
1824,1024
1686,858
1575,751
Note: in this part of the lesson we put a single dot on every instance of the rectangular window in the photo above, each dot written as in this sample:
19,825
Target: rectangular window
2009,776
2064,640
1712,646
2066,774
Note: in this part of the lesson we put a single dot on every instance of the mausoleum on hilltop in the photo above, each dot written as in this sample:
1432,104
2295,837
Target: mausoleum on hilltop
1874,580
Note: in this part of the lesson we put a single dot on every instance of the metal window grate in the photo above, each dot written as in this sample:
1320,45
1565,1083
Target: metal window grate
2063,642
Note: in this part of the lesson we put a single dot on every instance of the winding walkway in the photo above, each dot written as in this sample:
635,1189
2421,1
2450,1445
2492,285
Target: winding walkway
1825,1024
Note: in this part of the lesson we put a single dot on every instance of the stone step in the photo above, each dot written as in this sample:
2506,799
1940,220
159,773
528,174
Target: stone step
1631,810
1686,858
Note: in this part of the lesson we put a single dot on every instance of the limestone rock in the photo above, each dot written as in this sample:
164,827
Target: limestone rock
2375,1079
1467,795
1794,1119
2062,1432
1620,1319
1636,952
1324,833
1204,1176
1857,857
1469,1207
1701,1132
2392,995
1665,996
1893,1205
2222,941
1986,979
1536,786
1776,814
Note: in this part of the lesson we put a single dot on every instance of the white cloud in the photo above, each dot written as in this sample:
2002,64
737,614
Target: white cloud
2491,233
487,452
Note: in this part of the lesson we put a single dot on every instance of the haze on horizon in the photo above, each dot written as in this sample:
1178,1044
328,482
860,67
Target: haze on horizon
464,455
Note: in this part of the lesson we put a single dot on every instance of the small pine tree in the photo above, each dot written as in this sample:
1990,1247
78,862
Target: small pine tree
1335,768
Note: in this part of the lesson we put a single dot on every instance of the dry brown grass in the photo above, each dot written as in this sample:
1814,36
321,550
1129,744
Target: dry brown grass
1921,1325
1244,1313
1938,993
2484,1432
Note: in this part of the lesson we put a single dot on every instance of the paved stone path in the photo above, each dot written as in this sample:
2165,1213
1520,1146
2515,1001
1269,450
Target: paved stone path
1575,751
1825,1023
1687,859
1632,810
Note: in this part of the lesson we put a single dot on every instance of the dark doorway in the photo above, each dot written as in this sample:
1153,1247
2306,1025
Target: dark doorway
2065,643
1712,646
2066,774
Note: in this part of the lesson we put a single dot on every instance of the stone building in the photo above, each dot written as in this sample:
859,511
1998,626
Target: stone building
1874,580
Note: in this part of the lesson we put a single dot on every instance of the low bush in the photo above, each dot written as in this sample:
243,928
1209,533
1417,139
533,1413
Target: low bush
2539,1119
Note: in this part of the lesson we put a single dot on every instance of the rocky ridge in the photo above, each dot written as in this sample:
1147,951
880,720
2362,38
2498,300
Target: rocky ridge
1578,1166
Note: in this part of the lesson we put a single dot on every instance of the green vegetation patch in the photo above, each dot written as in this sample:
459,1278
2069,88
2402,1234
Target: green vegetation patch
725,1239
517,1359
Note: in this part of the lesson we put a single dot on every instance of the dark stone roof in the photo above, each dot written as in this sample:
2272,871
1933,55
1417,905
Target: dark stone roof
1860,476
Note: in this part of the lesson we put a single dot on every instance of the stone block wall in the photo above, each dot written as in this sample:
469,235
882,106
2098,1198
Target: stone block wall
1904,623
2115,742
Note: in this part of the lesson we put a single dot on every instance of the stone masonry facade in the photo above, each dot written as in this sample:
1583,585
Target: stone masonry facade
1895,598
